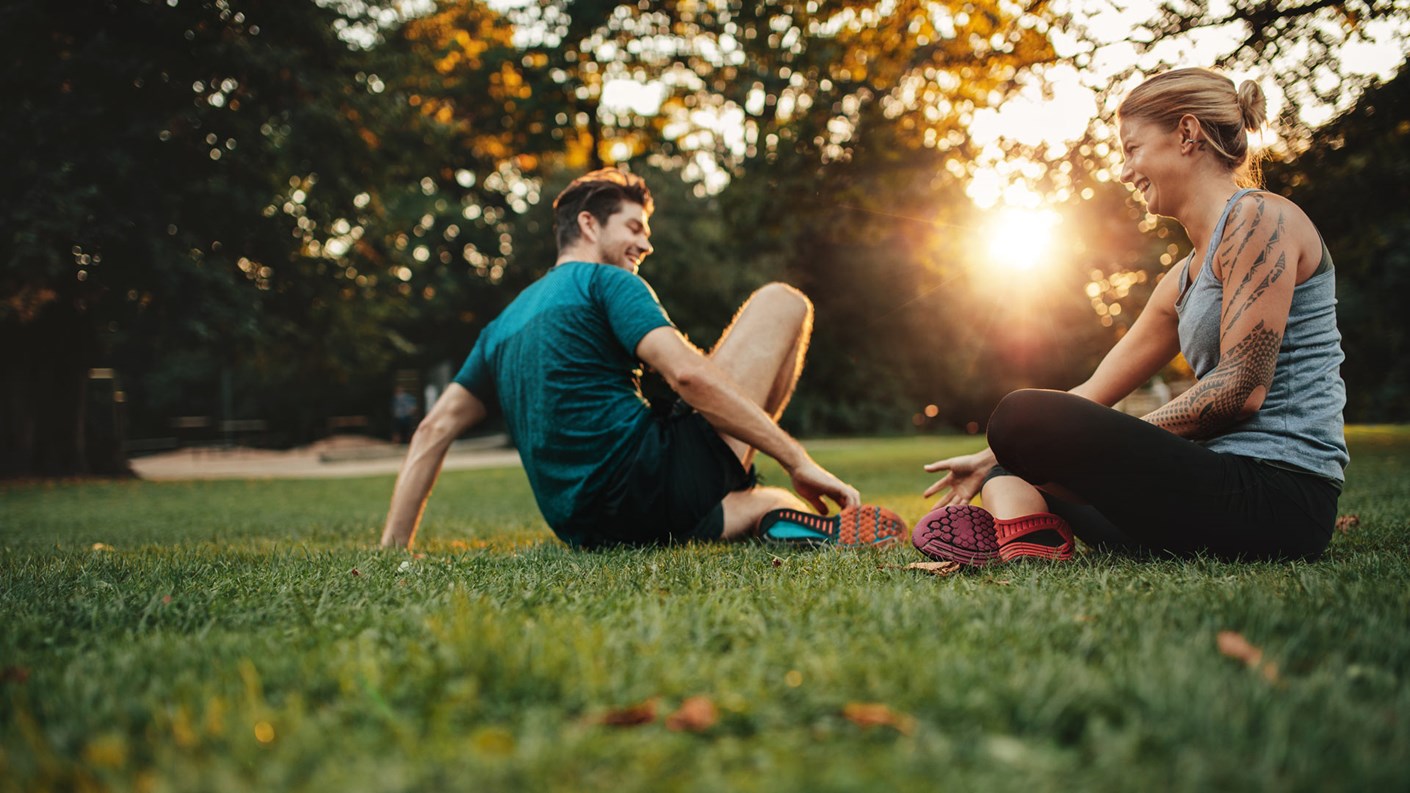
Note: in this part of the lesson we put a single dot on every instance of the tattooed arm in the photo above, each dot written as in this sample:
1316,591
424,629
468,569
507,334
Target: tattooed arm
1257,264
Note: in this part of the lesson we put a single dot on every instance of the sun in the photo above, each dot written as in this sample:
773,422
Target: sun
1019,240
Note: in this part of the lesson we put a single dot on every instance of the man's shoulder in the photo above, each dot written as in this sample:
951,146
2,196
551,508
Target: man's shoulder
574,276
599,287
597,271
612,283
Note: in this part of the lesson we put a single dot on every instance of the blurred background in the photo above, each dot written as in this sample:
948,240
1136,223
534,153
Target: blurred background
266,223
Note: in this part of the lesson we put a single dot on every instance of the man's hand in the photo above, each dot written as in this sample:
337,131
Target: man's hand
710,391
812,482
964,478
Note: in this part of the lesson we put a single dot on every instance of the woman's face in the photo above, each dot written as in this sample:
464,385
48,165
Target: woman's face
1152,163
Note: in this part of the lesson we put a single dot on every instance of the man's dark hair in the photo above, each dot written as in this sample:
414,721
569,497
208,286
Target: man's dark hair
601,192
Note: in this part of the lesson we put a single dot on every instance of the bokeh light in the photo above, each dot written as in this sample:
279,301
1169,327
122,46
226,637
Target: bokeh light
1019,240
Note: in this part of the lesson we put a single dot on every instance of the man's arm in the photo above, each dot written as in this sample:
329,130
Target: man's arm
455,412
1259,267
709,390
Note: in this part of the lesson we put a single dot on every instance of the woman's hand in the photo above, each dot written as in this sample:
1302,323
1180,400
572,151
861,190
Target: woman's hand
964,478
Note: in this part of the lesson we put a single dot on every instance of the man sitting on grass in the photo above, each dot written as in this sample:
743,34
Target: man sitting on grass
563,362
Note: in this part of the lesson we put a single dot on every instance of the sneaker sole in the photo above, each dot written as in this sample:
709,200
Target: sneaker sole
1011,534
1027,550
963,534
864,526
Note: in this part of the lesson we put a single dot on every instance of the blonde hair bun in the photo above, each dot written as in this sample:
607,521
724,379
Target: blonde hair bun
1225,113
1253,105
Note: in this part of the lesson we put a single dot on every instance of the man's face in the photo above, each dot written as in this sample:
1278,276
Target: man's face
625,239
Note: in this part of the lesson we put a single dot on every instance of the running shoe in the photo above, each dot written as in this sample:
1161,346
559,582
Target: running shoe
1041,535
867,525
963,534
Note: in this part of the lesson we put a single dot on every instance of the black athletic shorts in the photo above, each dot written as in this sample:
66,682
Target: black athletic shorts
670,490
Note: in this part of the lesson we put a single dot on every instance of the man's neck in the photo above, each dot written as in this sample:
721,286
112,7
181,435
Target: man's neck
577,253
564,258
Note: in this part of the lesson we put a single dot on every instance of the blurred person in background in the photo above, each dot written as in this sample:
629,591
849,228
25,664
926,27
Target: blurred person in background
404,410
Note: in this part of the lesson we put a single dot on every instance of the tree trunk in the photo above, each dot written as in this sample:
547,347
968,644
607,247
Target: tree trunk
595,133
45,425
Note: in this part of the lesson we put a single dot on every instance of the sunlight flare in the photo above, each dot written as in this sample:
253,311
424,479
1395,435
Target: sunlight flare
1020,240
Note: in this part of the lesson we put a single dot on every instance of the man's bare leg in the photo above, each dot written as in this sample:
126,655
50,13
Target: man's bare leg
744,508
762,350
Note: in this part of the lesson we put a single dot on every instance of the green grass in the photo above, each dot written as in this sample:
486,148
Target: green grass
245,635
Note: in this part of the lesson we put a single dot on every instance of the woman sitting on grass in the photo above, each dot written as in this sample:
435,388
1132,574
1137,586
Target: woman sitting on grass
1246,464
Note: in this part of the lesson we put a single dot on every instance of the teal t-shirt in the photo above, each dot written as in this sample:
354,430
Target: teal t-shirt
561,362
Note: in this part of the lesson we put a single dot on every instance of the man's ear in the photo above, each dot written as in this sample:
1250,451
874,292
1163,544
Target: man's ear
587,226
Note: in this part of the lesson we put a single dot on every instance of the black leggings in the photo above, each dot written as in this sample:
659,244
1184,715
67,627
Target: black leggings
1146,490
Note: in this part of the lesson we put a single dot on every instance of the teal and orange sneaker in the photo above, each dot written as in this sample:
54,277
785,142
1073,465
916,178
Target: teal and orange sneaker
867,526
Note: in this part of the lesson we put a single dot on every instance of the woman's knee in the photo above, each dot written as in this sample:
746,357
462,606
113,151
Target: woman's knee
1017,417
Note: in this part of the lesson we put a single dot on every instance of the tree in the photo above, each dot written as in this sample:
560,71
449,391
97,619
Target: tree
845,179
1301,49
178,167
1300,45
814,88
1353,180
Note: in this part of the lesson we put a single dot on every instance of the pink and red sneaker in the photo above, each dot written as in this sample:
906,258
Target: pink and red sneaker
969,535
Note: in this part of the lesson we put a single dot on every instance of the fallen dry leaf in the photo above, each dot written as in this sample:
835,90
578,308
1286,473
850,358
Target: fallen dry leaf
1346,523
935,568
1235,646
632,716
696,714
876,714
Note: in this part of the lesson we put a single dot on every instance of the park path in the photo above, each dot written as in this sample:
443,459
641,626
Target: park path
332,458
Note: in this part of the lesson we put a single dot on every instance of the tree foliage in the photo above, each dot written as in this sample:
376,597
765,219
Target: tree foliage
1299,45
183,164
1354,182
267,208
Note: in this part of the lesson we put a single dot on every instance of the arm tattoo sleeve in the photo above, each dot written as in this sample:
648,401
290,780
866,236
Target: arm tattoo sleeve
1219,397
1236,233
1259,272
1215,401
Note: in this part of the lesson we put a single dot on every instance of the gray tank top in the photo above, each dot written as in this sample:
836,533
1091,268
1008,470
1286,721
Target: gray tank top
1300,424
